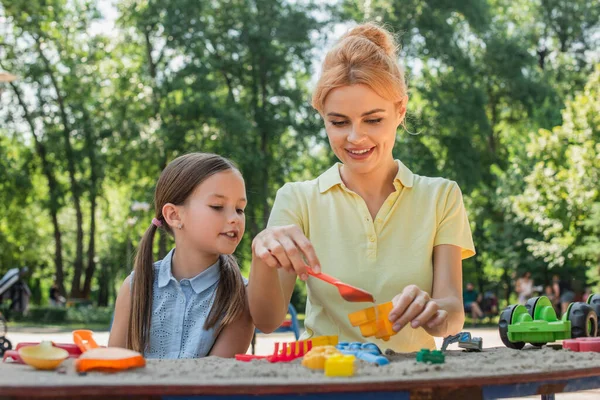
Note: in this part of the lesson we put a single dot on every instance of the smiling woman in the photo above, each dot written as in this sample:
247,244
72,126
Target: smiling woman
368,220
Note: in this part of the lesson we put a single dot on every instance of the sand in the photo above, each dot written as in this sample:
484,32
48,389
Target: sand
228,372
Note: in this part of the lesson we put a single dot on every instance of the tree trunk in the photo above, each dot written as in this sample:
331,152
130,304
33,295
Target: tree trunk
58,261
542,52
75,190
91,266
94,183
508,283
53,189
103,292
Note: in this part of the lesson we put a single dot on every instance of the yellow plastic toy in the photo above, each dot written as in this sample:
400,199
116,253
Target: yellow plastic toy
315,359
43,355
373,321
339,365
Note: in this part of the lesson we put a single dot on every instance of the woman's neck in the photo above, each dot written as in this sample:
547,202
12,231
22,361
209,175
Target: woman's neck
378,183
188,263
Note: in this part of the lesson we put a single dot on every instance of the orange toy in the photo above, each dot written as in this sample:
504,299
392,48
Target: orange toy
373,321
315,359
101,358
84,340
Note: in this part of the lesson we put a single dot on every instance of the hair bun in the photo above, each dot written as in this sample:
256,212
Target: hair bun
376,34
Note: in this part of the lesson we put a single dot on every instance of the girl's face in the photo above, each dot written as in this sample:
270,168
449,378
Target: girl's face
213,215
361,127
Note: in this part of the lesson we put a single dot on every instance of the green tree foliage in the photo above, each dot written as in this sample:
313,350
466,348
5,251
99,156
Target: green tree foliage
501,100
561,197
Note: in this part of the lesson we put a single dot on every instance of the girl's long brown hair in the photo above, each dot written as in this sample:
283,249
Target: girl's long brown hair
175,185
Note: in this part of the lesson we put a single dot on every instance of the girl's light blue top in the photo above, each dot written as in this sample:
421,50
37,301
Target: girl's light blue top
179,311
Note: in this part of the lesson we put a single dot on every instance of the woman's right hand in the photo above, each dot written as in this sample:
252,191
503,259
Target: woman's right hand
286,247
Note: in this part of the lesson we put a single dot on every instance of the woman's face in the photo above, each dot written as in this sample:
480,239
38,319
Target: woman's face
361,127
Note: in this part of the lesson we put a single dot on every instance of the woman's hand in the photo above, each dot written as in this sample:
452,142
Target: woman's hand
416,307
286,247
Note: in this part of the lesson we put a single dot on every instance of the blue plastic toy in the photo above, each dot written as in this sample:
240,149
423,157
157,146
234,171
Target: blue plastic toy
368,352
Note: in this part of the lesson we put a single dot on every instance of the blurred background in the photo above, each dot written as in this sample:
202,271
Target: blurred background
97,96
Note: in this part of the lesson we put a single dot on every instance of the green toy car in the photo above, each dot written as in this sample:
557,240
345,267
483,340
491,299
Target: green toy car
431,356
536,322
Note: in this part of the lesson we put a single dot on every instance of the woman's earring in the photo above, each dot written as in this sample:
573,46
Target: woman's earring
180,226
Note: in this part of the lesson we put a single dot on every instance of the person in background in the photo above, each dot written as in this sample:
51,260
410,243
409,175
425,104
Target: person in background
549,293
566,294
524,287
56,299
472,301
489,305
587,293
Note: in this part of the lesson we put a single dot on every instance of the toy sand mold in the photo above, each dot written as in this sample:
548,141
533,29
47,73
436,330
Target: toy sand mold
107,359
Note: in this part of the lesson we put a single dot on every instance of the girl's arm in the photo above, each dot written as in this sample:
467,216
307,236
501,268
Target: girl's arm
234,338
120,324
269,292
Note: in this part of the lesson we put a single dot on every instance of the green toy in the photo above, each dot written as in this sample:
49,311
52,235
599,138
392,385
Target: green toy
537,323
428,356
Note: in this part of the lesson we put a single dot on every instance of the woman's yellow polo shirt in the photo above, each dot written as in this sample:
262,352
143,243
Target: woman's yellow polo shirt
381,256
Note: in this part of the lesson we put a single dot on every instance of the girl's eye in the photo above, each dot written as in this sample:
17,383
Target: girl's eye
240,211
218,208
374,121
338,123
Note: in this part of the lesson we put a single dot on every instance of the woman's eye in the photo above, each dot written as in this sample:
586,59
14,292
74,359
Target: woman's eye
218,208
338,123
374,121
240,211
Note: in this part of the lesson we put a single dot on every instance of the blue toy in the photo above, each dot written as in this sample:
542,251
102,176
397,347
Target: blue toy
368,352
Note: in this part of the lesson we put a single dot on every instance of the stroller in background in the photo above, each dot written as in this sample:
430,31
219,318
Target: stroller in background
13,288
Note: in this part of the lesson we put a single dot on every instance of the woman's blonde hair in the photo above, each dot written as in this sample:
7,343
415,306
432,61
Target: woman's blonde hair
365,55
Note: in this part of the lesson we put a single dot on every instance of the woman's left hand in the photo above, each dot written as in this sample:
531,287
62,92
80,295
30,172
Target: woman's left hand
416,307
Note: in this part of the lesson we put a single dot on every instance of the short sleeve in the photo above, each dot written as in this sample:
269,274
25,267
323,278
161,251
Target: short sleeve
453,224
287,208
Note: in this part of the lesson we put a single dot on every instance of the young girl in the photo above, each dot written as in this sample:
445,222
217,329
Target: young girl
369,221
192,303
